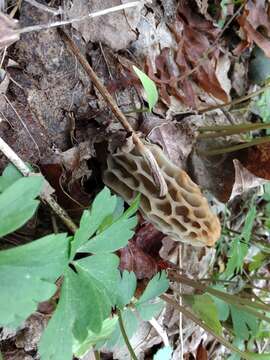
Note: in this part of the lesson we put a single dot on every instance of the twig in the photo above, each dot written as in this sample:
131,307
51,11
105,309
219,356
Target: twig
145,152
46,193
231,130
124,334
257,141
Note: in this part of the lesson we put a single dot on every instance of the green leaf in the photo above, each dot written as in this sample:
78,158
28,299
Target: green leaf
266,195
149,309
17,204
253,356
258,261
104,269
239,344
126,288
56,341
133,207
103,206
204,306
88,296
156,286
164,353
236,255
262,107
222,307
91,304
224,11
9,176
244,324
111,235
259,68
149,88
247,229
108,326
28,274
113,238
83,306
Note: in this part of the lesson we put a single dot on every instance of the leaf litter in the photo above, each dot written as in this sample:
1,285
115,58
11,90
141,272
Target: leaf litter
193,64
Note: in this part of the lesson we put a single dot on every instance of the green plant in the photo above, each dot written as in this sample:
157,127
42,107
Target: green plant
96,305
149,88
91,286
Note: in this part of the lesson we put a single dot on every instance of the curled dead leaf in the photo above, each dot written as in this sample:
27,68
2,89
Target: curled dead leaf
255,15
176,139
244,180
8,33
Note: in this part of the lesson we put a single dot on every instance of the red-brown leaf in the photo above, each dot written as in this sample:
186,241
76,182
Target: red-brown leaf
201,352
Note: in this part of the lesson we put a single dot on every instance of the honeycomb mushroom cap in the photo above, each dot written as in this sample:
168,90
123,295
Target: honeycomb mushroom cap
183,213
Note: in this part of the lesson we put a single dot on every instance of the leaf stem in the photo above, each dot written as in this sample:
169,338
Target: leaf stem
236,101
97,355
257,141
227,130
240,302
247,126
124,334
203,325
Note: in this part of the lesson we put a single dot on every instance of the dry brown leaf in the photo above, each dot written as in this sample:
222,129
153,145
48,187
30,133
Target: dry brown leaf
176,139
116,30
257,160
202,6
133,258
255,15
8,34
244,180
201,352
194,36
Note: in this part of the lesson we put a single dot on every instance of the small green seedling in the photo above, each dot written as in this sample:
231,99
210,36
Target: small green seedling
149,88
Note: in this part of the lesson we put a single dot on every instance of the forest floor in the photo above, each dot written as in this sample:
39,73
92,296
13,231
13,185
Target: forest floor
210,61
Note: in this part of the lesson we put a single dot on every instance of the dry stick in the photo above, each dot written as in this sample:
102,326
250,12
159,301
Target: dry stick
203,325
45,195
145,152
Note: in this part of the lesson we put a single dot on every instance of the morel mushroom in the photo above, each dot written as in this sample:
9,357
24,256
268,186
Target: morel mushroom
183,213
